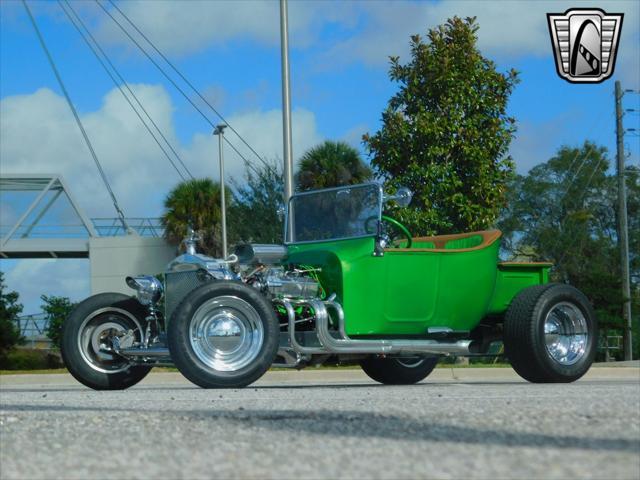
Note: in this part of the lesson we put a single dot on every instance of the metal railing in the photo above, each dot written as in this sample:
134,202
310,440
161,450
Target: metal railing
34,330
105,227
112,227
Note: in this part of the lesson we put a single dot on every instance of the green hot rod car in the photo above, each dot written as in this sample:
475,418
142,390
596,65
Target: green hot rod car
349,286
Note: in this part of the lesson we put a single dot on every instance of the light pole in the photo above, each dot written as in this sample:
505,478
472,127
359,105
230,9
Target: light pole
219,130
623,228
286,102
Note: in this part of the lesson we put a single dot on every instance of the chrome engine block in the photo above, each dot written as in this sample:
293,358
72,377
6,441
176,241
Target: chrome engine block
280,283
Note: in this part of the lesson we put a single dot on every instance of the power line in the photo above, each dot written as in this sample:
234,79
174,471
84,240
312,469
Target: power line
173,82
186,80
584,194
247,162
117,84
77,117
126,85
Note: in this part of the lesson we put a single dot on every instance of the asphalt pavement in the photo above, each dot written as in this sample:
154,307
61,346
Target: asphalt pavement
320,423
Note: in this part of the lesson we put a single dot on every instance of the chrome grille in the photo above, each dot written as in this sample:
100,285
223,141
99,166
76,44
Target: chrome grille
178,285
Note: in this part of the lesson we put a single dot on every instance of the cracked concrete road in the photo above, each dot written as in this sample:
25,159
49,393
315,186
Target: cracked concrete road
460,423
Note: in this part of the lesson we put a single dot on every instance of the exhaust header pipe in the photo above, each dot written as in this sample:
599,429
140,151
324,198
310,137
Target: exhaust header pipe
346,345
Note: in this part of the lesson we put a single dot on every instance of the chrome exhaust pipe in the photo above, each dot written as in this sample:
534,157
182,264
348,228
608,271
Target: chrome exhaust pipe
291,315
154,352
346,345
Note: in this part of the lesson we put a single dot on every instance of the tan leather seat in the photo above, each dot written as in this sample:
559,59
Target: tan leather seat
459,242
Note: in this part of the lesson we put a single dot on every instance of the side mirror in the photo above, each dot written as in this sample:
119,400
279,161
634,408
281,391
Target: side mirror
402,197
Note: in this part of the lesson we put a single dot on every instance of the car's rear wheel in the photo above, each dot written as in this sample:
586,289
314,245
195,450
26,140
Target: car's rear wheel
550,334
87,341
223,335
398,370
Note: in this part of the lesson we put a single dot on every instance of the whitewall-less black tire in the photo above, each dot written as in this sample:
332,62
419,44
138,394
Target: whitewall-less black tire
224,335
550,333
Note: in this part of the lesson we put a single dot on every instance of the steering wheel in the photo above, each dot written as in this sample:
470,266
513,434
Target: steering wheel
395,225
404,230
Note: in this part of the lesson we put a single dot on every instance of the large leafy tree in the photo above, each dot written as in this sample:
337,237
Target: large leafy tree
565,211
10,308
196,204
446,132
331,164
257,202
56,309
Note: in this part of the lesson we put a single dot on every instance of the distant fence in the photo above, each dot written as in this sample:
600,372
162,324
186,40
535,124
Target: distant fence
34,330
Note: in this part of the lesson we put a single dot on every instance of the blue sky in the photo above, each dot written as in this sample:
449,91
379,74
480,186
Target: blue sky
230,51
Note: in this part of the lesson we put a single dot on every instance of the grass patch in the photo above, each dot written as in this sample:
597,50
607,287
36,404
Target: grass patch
22,359
46,371
34,372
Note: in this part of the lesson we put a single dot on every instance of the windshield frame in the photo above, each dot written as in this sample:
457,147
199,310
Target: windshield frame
323,190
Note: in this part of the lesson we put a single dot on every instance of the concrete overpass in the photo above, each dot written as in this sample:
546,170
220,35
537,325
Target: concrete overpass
28,232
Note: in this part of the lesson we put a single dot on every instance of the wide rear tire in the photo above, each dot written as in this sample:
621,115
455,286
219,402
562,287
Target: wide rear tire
398,371
88,327
550,334
224,335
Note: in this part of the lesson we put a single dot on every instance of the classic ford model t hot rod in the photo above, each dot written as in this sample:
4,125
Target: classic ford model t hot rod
350,285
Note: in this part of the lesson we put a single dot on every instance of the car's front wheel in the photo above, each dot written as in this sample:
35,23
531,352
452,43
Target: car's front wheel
398,370
224,335
550,334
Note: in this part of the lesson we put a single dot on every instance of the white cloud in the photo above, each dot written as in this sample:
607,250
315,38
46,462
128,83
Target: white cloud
263,131
32,278
507,28
353,136
182,28
356,31
39,136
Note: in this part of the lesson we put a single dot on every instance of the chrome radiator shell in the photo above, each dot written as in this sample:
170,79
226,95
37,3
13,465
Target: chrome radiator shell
177,286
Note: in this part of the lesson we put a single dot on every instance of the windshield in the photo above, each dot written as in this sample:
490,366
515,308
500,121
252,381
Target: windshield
335,213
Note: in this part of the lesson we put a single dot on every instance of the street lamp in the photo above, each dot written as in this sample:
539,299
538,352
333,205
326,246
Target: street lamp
219,130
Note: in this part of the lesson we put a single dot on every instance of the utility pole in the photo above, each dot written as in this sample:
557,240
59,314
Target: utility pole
286,102
219,131
623,229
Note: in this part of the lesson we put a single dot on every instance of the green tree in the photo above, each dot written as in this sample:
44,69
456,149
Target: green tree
446,133
564,211
331,164
9,311
254,213
57,309
195,203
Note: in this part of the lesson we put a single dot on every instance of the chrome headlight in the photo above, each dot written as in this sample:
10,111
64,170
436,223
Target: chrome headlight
148,288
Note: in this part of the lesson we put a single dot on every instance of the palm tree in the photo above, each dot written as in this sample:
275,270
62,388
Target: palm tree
196,204
257,198
331,164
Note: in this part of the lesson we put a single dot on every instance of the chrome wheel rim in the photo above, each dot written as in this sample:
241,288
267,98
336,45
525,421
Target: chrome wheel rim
226,333
96,334
566,333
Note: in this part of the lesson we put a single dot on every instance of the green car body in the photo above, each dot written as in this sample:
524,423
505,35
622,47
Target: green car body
405,292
